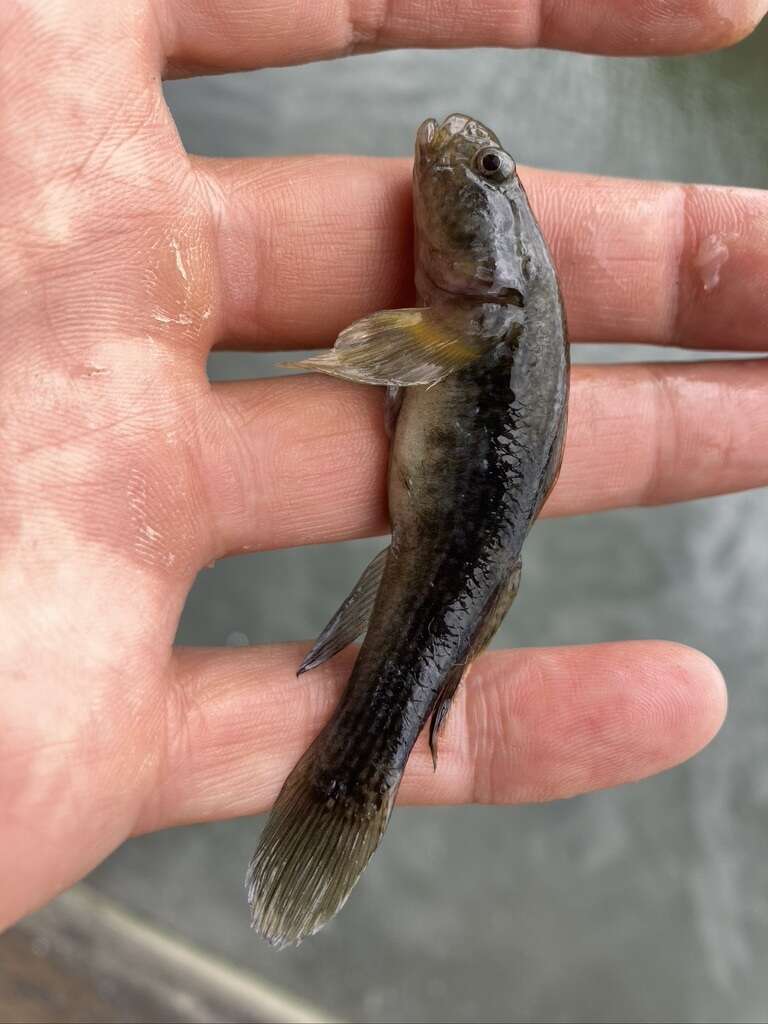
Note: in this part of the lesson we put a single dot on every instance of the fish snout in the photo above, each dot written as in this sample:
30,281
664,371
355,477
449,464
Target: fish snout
454,124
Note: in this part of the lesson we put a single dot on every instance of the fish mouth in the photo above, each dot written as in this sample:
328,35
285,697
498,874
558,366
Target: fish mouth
458,124
434,140
431,134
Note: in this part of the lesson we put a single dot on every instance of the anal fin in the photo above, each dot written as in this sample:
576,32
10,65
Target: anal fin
351,619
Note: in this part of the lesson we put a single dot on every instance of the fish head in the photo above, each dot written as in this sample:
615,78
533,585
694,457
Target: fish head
471,215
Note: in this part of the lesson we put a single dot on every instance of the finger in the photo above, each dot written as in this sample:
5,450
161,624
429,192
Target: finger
302,460
307,245
224,35
527,725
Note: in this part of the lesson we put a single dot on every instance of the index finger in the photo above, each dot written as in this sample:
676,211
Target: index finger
306,245
228,35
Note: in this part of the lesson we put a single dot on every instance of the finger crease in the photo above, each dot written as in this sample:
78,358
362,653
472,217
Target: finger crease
677,217
666,431
545,11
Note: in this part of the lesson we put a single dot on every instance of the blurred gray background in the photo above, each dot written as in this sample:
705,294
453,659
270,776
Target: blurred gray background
645,903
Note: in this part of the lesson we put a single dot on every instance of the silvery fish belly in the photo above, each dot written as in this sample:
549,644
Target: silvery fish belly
477,387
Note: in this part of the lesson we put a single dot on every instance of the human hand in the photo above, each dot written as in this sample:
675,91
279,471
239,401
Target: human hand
124,471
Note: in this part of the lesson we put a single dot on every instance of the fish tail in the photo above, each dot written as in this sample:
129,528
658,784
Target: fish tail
314,847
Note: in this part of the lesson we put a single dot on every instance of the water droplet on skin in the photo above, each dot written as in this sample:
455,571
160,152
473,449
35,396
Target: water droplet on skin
90,370
179,261
237,639
710,259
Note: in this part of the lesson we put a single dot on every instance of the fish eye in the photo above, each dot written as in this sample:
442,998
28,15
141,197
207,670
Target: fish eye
494,164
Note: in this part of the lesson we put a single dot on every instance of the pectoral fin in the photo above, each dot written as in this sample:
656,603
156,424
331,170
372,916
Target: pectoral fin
351,619
392,405
403,347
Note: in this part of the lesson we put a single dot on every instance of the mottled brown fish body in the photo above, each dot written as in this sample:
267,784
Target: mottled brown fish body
478,393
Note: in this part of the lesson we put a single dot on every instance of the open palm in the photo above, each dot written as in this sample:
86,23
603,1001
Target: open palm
124,260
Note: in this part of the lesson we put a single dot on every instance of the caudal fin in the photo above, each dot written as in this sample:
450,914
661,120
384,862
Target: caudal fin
312,851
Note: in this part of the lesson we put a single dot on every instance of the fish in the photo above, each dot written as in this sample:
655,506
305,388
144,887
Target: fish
476,407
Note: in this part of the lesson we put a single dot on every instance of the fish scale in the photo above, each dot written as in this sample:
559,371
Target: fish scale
478,386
